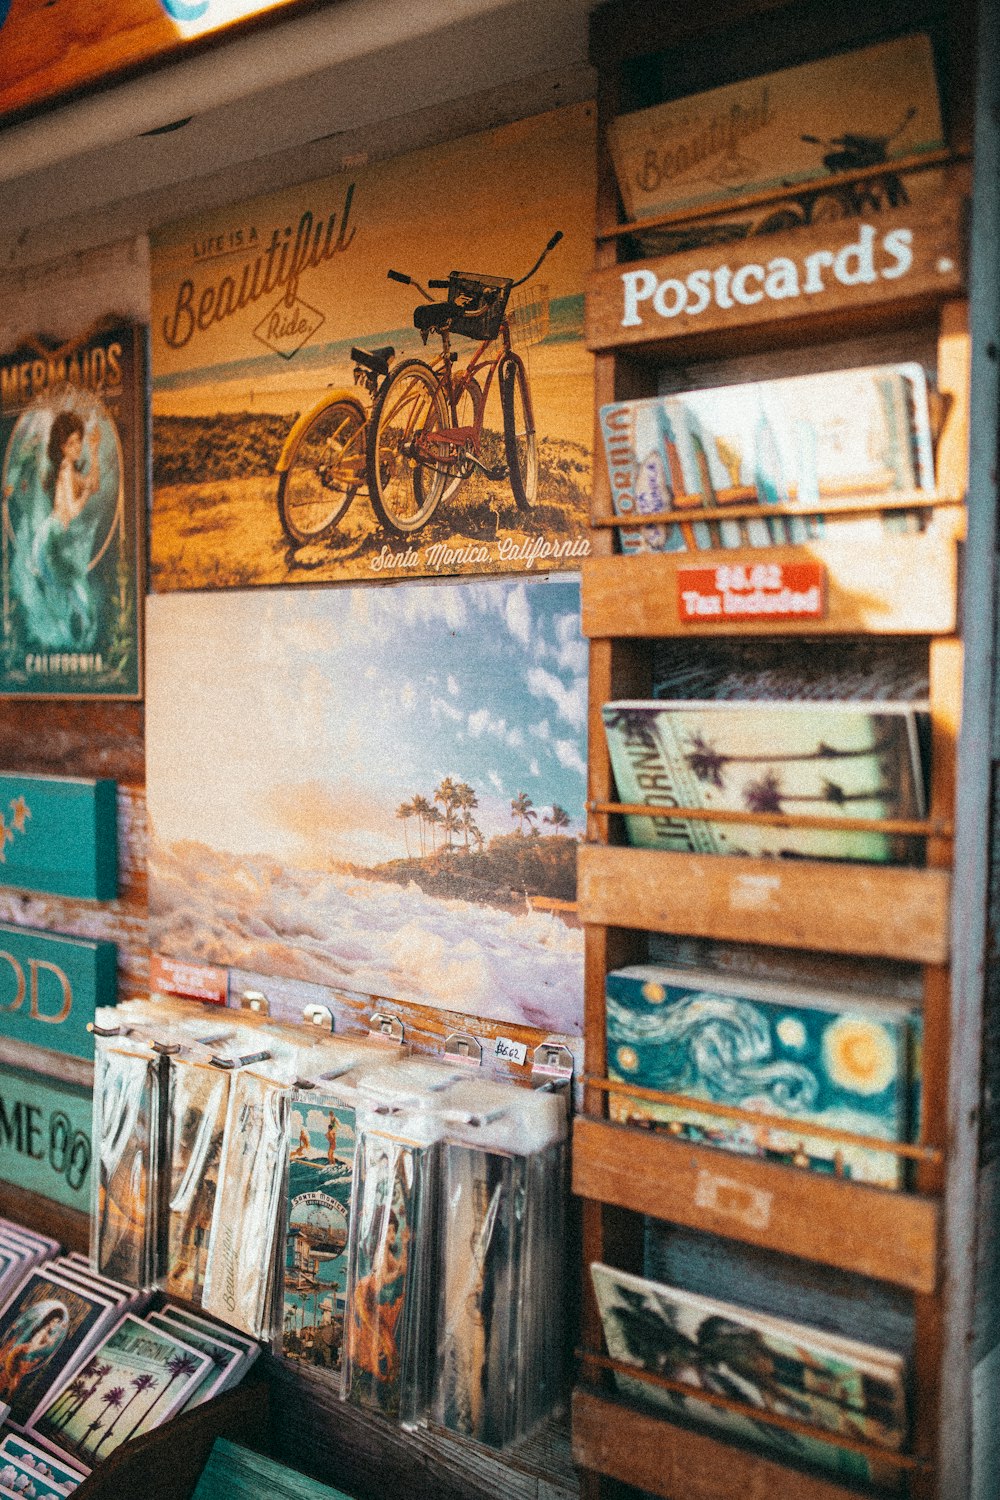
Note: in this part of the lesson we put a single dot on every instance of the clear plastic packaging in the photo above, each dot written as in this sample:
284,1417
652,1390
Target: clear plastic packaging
389,1333
127,1135
501,1223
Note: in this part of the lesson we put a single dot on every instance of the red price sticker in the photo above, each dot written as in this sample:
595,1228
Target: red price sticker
172,976
751,591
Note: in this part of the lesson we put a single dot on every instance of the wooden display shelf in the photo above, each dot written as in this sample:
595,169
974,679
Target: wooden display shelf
909,586
655,1455
70,1226
892,1236
879,910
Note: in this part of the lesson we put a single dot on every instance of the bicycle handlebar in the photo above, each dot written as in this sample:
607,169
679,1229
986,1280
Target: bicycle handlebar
444,285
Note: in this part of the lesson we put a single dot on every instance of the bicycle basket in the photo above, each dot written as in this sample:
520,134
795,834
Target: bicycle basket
529,316
477,304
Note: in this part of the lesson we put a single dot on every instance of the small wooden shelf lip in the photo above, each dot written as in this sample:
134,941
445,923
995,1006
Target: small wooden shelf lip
782,1123
891,1236
647,1451
877,910
691,508
923,828
909,586
887,1456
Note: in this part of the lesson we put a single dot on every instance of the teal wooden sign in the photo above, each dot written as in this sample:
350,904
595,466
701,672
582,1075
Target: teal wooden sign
45,1137
49,986
59,834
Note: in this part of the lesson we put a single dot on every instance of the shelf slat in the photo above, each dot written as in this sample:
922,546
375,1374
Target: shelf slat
870,1231
885,911
866,591
644,1450
925,266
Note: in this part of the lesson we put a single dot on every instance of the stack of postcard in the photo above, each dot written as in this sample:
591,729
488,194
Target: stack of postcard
770,1049
29,1471
139,1375
832,759
848,435
20,1251
849,1389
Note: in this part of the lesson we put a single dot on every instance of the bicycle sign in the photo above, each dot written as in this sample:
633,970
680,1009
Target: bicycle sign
424,435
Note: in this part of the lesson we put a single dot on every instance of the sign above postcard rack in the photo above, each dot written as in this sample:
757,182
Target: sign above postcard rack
50,51
828,268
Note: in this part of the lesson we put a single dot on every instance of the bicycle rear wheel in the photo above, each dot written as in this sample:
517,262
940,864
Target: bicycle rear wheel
406,479
519,433
324,473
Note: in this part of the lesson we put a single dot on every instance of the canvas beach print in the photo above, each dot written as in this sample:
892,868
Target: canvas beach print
321,1142
855,760
850,1389
388,792
317,418
72,476
134,1381
771,1049
843,434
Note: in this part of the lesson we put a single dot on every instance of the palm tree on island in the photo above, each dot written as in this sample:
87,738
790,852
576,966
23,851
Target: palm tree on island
557,818
523,809
406,810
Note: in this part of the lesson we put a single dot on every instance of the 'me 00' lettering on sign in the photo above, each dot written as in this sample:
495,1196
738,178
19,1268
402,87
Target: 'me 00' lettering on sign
45,1137
50,986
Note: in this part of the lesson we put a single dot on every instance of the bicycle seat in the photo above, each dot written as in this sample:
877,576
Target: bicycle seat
376,360
431,317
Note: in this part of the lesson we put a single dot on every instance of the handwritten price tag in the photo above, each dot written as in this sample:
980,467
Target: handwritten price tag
751,591
510,1051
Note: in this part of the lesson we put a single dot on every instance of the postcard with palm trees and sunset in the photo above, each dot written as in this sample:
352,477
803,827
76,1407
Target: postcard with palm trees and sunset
137,1378
387,794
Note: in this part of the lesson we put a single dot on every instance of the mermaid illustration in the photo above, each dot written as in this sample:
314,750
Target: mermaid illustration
34,1338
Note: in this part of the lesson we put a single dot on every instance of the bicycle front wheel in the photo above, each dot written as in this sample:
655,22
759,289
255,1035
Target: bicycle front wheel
324,472
407,477
519,433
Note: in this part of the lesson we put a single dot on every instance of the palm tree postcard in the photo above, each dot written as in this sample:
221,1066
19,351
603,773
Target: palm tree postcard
388,792
136,1379
224,1359
837,760
46,1326
783,1369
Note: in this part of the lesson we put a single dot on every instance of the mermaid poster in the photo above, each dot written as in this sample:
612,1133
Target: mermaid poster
71,474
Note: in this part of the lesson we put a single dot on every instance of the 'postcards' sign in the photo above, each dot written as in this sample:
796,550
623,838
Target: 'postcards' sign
45,1137
836,266
50,985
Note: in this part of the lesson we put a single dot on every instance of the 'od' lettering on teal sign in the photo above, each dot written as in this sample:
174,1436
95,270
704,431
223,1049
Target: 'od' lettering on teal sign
49,986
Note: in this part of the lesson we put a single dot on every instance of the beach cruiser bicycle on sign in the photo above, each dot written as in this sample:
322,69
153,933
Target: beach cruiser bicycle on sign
425,433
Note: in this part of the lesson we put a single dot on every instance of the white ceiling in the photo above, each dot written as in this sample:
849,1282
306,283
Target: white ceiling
369,77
